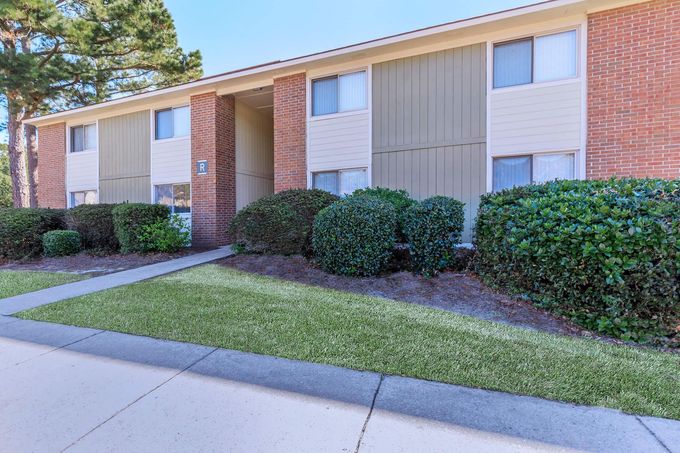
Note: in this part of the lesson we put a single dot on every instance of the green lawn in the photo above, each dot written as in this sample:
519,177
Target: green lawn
13,283
222,307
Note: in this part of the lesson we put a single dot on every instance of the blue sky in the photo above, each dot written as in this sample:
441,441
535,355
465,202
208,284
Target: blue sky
235,34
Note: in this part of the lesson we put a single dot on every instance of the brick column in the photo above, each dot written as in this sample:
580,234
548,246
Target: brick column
213,195
633,91
290,132
52,166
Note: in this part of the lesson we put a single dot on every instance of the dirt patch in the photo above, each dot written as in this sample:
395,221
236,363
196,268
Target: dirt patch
93,265
457,292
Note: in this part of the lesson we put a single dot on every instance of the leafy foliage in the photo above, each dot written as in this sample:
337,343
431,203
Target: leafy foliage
280,223
94,222
61,243
21,230
433,228
165,236
355,236
605,253
129,221
5,179
400,199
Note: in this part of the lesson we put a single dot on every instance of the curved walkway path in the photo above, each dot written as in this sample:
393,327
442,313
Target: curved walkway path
67,388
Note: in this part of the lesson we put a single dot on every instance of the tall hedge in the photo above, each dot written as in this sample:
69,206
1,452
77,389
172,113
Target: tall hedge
434,228
400,199
605,253
355,236
94,222
280,223
130,220
21,230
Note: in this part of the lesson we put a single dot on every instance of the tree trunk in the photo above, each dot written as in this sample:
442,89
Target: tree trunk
17,158
32,152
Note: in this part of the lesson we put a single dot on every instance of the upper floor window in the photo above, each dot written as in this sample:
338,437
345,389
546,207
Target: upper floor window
83,138
339,93
537,59
172,122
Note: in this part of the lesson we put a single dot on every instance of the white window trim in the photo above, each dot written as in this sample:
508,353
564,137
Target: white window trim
169,139
172,208
338,171
525,86
328,116
88,150
69,196
574,152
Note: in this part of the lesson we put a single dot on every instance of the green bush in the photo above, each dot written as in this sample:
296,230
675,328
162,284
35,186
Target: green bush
21,230
604,253
280,223
94,222
61,243
433,229
165,236
355,236
400,199
129,220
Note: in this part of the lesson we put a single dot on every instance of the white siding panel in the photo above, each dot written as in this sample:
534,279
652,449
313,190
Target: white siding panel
339,142
82,171
171,161
536,119
254,155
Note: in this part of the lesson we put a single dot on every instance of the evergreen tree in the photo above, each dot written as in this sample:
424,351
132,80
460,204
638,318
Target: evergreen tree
58,54
5,179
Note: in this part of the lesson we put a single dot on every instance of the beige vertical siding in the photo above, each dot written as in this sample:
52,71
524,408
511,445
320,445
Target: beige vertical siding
125,158
429,126
130,190
254,155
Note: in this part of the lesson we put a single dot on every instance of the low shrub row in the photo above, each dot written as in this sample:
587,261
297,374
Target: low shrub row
104,228
604,253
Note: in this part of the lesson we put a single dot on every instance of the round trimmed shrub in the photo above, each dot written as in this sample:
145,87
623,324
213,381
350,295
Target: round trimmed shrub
21,230
280,223
94,222
433,229
604,253
355,236
400,199
61,243
130,220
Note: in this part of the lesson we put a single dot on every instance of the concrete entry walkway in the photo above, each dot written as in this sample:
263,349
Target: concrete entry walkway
12,305
75,389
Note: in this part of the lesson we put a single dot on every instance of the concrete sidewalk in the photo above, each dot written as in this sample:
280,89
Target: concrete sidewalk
12,305
69,388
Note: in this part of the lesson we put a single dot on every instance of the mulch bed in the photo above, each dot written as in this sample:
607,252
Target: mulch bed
94,265
457,292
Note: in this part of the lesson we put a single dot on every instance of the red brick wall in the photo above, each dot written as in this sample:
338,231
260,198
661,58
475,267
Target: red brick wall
213,196
290,124
634,91
52,166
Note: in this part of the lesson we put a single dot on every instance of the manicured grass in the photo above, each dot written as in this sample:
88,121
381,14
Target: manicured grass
13,283
222,307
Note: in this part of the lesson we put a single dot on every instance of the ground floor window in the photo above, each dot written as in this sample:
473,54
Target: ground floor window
83,197
533,168
340,182
175,196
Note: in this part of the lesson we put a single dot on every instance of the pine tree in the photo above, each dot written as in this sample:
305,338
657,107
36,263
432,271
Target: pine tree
5,179
58,54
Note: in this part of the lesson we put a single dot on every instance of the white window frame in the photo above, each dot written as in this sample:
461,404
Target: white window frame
173,138
339,171
532,155
71,194
533,36
310,90
69,139
173,184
